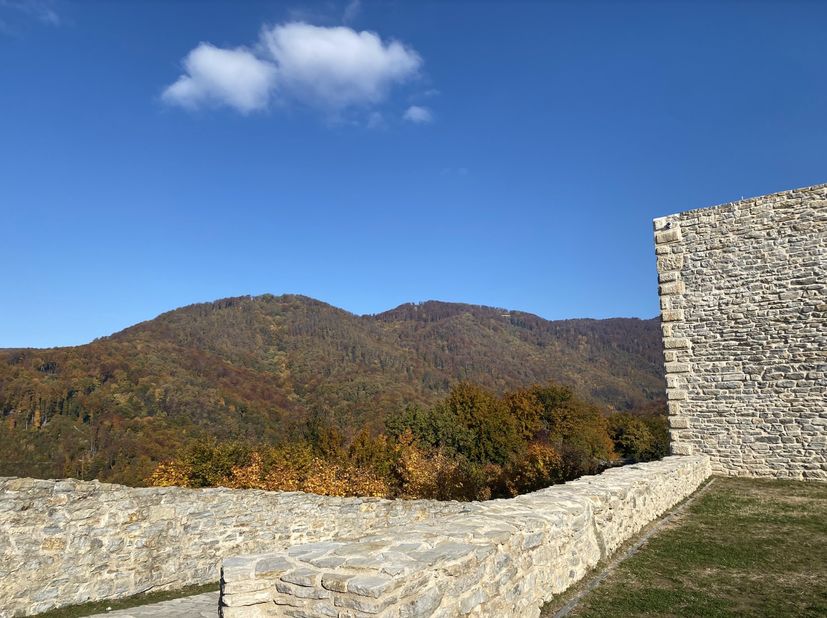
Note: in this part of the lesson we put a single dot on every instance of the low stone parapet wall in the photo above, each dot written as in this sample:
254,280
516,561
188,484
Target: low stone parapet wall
498,558
67,542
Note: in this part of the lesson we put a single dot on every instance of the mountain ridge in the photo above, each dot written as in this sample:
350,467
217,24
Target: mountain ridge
253,368
377,315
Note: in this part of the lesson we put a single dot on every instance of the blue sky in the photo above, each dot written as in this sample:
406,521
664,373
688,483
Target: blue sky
156,154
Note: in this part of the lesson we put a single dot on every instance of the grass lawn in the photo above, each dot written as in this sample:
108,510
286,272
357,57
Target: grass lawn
99,607
744,548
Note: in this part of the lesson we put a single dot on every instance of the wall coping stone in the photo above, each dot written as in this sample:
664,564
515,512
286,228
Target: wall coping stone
495,558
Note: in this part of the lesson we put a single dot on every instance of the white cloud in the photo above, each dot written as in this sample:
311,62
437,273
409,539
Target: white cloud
337,67
418,114
330,68
234,77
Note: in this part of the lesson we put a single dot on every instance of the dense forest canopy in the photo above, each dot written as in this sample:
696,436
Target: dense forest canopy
256,370
471,445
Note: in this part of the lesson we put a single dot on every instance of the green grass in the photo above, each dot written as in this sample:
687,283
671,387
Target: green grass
745,548
99,607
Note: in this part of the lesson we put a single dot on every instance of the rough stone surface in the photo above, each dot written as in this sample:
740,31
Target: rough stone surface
67,542
498,558
744,317
196,606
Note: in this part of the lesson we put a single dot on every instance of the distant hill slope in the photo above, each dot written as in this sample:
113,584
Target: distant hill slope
253,368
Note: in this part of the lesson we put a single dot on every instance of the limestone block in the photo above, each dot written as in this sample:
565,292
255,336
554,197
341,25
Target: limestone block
672,315
258,597
671,343
257,611
672,288
667,236
679,422
370,585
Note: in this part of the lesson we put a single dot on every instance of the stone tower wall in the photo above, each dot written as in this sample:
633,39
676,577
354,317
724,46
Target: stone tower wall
743,293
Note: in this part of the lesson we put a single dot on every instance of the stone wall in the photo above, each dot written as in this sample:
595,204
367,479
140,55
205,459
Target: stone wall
743,291
499,558
67,542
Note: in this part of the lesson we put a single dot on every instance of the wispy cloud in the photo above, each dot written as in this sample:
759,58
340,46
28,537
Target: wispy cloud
41,10
352,10
376,121
418,114
328,68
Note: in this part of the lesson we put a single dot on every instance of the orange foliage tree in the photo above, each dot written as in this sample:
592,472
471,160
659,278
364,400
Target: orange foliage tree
473,445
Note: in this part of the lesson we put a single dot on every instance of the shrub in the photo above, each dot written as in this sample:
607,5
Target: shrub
640,438
538,466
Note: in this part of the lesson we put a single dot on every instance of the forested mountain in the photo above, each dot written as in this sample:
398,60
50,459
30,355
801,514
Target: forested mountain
255,368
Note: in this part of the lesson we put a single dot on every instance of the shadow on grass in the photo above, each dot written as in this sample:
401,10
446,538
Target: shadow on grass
100,607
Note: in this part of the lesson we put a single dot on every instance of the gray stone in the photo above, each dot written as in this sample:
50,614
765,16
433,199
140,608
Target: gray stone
370,585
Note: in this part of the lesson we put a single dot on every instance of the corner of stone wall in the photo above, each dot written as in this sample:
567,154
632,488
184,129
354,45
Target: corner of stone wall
677,348
247,584
501,558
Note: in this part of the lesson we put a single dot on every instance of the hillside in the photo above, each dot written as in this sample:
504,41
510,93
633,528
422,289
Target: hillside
254,368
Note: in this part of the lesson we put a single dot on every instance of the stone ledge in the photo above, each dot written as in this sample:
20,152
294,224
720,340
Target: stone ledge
497,558
133,539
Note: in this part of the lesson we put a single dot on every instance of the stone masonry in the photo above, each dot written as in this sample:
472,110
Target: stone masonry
502,558
743,292
67,542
